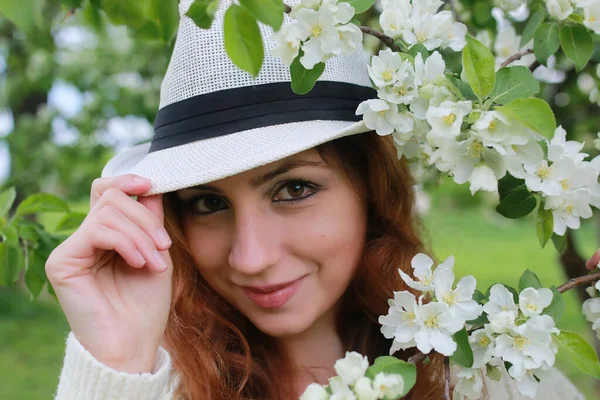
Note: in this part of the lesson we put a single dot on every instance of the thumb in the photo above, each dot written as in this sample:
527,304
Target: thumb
155,204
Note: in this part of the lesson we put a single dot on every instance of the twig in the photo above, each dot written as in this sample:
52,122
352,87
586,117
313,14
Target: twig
447,378
388,41
516,57
571,283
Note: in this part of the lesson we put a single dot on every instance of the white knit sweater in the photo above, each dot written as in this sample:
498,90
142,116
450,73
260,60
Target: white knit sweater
85,378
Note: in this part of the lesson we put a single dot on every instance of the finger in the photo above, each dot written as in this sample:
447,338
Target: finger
137,213
593,261
113,218
131,184
154,203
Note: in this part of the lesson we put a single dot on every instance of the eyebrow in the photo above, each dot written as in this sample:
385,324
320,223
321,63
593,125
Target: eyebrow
264,178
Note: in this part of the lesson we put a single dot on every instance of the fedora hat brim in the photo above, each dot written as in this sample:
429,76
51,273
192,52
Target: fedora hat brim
208,160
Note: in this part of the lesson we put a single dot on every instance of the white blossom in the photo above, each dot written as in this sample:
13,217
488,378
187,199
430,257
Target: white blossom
379,115
314,391
483,343
288,44
568,208
401,323
508,43
446,120
459,300
469,384
388,385
364,390
352,367
501,309
340,390
437,327
591,16
591,310
533,301
559,9
422,264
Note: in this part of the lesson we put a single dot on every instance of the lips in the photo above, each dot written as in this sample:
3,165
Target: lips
272,296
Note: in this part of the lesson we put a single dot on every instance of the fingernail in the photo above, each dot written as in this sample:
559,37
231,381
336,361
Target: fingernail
139,179
160,260
163,236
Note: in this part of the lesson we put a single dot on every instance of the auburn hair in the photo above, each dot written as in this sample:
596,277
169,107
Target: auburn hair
221,355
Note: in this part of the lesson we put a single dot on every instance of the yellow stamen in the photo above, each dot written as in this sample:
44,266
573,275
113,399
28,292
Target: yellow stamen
449,119
543,172
316,30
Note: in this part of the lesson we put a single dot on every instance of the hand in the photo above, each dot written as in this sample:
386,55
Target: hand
115,293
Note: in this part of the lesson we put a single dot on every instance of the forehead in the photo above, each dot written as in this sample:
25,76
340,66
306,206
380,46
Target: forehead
259,175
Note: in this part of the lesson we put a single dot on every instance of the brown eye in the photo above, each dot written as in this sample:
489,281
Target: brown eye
208,204
292,190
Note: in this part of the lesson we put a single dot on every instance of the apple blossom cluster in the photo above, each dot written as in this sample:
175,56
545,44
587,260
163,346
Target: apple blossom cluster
421,23
562,9
519,335
430,325
516,334
567,183
322,29
420,108
351,383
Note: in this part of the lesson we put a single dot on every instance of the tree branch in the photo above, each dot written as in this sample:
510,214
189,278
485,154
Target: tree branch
417,358
388,41
515,57
447,378
572,283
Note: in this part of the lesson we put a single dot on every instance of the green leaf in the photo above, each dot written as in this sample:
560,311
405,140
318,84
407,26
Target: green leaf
419,49
478,296
546,41
463,88
7,198
544,225
166,14
480,66
533,23
243,42
130,13
303,80
392,365
464,353
25,14
519,203
534,113
35,274
560,242
71,3
514,83
360,6
202,12
529,279
269,12
508,184
556,309
70,221
580,351
11,256
41,202
576,41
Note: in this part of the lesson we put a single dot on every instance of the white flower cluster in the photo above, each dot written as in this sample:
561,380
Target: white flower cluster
567,182
352,384
430,326
421,23
322,29
562,9
591,307
516,334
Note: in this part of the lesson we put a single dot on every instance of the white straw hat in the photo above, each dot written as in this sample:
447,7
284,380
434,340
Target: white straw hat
215,120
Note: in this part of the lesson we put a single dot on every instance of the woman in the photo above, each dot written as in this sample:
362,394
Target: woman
286,222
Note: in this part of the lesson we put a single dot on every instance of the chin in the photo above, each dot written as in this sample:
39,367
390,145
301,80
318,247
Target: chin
283,323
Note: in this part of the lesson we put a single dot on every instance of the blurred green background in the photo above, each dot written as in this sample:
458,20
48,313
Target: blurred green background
80,80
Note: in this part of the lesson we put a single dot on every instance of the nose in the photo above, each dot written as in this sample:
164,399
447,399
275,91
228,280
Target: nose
254,246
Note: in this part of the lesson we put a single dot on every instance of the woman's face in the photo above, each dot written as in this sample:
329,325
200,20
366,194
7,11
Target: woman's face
280,242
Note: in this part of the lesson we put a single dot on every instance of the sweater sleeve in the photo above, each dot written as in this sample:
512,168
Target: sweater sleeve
83,377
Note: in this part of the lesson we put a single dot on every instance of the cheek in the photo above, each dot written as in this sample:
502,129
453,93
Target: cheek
209,250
